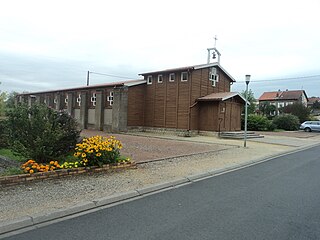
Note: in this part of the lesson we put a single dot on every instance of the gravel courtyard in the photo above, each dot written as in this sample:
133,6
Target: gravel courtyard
143,148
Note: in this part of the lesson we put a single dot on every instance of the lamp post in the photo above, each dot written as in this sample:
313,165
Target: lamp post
246,111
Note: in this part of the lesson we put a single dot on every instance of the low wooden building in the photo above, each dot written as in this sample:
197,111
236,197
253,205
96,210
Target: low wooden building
188,98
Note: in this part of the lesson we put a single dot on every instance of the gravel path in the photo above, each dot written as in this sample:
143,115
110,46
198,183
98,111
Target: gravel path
49,195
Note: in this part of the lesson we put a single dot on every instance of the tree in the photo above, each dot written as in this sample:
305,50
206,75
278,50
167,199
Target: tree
251,100
267,109
11,99
3,97
298,110
316,105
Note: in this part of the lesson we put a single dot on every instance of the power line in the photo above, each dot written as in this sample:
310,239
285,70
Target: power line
281,79
110,75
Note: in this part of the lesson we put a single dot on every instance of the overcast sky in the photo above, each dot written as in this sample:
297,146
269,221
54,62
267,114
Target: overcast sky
46,45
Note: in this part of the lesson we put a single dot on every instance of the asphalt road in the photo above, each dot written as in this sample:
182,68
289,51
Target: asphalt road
279,199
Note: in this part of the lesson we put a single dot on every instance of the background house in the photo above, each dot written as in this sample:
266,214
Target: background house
313,100
188,98
280,99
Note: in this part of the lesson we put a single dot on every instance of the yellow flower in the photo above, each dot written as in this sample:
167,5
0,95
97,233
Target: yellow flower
51,162
31,171
98,154
83,155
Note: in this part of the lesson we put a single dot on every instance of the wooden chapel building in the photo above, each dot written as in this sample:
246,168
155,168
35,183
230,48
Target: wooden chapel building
195,98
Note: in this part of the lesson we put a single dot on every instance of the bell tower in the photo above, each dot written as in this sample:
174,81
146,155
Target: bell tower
213,53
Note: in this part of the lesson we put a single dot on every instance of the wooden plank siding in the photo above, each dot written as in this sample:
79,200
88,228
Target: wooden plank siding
174,104
167,103
183,102
149,104
171,104
200,87
136,101
227,114
159,102
208,116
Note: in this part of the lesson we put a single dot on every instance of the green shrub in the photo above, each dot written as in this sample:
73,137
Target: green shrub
286,122
298,110
41,133
258,123
3,134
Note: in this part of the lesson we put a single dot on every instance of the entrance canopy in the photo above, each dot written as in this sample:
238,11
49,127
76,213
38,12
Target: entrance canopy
222,96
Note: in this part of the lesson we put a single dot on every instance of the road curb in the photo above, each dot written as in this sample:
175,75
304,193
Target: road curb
115,198
15,224
8,227
81,207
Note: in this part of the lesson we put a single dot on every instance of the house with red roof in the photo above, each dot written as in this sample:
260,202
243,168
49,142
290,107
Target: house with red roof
281,99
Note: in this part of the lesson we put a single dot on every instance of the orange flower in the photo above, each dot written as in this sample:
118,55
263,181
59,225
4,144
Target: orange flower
31,171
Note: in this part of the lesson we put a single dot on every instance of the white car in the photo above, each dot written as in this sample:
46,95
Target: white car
309,126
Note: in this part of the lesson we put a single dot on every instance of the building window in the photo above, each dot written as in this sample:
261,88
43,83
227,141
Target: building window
79,100
184,76
213,77
94,99
110,98
66,100
172,77
149,79
160,79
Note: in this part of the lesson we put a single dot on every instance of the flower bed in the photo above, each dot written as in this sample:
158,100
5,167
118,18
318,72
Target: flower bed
60,173
94,154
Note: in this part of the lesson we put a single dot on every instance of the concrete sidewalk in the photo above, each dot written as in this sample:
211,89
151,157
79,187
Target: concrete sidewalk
28,206
295,139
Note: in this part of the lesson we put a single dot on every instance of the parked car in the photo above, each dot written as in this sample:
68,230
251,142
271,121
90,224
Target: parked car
309,126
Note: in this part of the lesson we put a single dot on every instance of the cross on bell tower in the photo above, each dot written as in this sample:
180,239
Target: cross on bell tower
214,51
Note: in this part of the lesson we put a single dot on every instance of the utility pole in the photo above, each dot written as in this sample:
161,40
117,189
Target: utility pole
88,76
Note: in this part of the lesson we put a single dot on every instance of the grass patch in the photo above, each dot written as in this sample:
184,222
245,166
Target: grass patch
279,130
9,154
11,171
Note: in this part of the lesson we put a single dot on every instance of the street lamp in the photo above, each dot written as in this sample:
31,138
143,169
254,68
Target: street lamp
246,111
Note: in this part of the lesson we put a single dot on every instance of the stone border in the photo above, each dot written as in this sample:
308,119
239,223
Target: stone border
25,178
